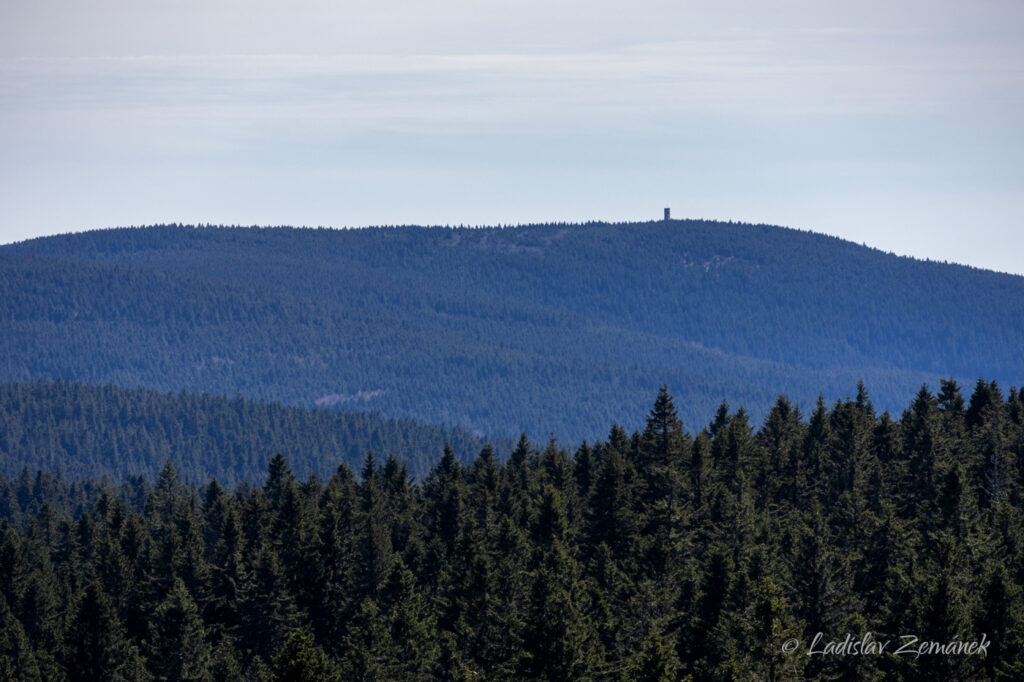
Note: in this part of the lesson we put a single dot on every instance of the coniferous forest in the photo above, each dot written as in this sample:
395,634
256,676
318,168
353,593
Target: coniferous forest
281,400
669,553
537,328
85,431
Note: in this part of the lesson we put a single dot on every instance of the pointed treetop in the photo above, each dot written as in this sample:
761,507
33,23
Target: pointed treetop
168,478
448,460
986,396
721,418
618,439
664,407
279,477
863,400
950,398
369,470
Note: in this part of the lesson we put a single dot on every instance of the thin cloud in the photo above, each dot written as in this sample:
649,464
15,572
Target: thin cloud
681,77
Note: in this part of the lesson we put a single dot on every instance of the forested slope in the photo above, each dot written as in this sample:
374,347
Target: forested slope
653,557
543,328
85,431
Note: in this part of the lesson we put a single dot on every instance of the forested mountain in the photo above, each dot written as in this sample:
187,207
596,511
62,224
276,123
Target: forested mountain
542,328
660,556
85,431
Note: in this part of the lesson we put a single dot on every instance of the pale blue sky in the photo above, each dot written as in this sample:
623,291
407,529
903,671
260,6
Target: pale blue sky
897,124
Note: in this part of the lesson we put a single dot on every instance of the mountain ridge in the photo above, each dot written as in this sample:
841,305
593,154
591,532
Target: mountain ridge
86,431
595,316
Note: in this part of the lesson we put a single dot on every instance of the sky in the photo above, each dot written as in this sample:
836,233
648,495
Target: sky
892,123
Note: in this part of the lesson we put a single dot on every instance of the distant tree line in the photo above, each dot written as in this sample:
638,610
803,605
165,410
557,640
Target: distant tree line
83,431
498,330
659,555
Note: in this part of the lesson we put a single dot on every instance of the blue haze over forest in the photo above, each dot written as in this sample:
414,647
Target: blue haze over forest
556,328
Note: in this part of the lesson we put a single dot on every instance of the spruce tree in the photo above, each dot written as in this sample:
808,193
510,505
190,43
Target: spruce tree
179,649
301,660
96,646
654,663
17,659
613,518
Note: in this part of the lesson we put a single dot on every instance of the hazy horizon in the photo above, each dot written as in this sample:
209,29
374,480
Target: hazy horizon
896,127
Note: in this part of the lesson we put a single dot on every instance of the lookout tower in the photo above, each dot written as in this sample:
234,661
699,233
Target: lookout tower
668,213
